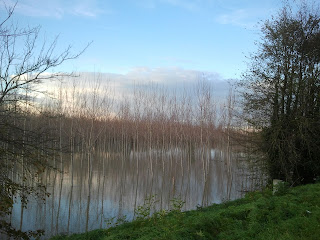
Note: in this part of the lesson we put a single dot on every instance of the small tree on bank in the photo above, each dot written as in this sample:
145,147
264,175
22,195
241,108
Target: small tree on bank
281,94
25,145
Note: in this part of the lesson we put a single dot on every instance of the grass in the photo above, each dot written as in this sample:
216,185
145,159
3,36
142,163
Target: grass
292,213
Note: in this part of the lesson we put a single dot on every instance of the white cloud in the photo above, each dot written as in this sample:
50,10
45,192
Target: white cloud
240,17
246,17
57,8
86,8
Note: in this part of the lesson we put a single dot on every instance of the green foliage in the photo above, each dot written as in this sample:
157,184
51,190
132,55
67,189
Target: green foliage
281,188
92,235
144,211
177,204
114,221
293,214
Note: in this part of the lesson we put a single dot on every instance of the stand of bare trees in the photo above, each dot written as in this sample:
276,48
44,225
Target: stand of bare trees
174,131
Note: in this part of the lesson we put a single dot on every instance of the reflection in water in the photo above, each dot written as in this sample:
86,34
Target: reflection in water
98,186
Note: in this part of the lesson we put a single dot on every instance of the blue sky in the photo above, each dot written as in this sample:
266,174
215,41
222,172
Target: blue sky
211,36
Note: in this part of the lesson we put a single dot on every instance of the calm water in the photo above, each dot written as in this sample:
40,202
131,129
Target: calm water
96,187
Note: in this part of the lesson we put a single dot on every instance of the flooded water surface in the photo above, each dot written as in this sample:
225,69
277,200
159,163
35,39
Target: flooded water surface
90,190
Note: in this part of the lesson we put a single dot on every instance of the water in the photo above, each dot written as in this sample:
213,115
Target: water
96,187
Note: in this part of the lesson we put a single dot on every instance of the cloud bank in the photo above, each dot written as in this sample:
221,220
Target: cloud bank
169,79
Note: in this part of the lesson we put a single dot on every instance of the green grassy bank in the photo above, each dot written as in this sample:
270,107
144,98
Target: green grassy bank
292,213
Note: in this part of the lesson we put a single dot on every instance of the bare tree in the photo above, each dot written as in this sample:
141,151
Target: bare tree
24,63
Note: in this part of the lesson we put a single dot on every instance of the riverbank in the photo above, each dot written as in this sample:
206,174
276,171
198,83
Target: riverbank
292,213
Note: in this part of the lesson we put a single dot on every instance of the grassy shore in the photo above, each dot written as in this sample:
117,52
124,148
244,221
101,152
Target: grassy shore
292,213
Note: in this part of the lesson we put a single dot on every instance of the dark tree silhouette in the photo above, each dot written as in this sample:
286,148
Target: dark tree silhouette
281,93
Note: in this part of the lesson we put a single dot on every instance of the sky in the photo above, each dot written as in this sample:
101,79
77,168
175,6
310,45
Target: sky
140,37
